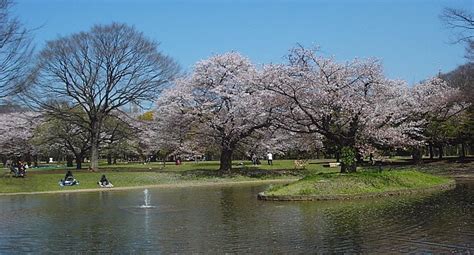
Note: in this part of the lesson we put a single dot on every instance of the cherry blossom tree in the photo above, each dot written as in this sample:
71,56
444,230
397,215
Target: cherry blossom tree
16,132
352,105
463,78
223,102
281,142
175,128
441,108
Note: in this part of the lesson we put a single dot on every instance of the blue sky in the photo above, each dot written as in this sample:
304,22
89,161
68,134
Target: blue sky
407,35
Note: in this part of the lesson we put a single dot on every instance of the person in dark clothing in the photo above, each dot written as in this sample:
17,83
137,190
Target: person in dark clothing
254,159
68,180
103,180
21,169
14,169
68,176
17,169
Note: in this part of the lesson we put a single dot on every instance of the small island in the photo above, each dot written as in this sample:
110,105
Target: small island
242,127
366,184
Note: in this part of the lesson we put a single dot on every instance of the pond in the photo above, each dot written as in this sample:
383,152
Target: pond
231,220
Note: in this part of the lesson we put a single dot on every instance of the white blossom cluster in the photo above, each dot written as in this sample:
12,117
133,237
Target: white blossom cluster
228,100
311,102
16,131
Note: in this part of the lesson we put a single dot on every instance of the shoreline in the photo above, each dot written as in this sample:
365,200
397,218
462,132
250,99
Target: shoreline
164,185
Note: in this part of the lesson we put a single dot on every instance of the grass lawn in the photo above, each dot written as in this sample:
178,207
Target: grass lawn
312,165
363,182
318,179
214,165
46,178
49,182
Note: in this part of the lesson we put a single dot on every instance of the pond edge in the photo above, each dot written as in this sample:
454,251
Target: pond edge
163,185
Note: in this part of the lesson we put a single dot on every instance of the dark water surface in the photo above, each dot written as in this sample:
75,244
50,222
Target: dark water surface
231,219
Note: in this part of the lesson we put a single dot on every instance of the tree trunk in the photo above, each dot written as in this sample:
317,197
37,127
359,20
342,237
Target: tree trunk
115,160
463,150
95,135
359,158
35,161
416,155
440,149
109,159
225,161
79,161
430,146
348,155
28,158
69,160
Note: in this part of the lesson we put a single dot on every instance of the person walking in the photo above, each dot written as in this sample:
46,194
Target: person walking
270,158
254,159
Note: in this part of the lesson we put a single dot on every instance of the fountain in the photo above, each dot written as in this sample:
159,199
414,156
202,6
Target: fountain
147,200
149,208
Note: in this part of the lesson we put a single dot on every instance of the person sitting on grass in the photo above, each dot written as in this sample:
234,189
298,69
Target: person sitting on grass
17,169
68,180
68,176
104,183
14,169
21,169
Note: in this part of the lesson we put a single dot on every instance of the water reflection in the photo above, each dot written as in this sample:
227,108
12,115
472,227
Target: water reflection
231,219
441,222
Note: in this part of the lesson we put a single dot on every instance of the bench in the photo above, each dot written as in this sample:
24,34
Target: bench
334,164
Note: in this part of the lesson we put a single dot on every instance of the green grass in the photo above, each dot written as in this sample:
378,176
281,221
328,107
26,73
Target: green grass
49,182
313,165
363,182
318,180
136,175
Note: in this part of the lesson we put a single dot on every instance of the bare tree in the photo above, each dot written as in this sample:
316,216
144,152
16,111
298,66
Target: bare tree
99,71
461,21
15,51
470,51
462,24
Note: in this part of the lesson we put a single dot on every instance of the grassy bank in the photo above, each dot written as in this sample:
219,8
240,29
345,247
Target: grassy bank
318,178
364,182
138,175
49,182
